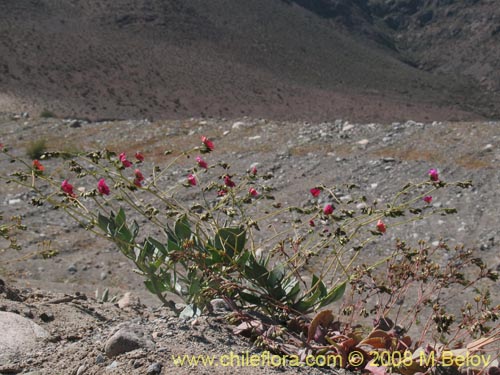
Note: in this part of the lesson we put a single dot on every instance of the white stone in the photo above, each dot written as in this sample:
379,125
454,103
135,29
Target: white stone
19,335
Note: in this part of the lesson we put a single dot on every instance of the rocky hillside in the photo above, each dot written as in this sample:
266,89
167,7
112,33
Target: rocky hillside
363,60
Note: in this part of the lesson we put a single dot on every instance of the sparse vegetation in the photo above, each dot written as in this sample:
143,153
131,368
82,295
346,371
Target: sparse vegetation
35,149
47,114
227,245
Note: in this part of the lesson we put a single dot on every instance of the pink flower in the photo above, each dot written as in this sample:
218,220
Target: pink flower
315,192
139,177
123,159
37,166
328,209
428,199
209,145
228,182
253,171
311,223
433,174
1,146
381,226
139,156
222,192
67,188
253,192
102,187
201,163
192,180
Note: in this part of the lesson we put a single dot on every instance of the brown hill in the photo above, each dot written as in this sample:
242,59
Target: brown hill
228,58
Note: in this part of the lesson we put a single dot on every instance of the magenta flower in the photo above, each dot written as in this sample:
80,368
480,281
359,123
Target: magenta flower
192,180
139,156
138,178
253,171
311,223
209,145
428,199
253,192
228,182
124,161
315,192
222,192
67,188
201,163
433,174
37,166
328,209
102,187
381,226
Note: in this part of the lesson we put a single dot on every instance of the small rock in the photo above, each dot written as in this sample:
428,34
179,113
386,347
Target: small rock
81,370
156,335
103,275
75,124
219,305
347,127
238,125
100,359
128,300
27,313
255,137
125,340
488,147
363,142
155,368
113,365
72,269
14,201
47,317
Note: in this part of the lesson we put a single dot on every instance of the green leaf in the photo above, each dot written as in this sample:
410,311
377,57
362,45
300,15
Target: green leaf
182,229
103,223
250,298
158,245
155,287
334,295
231,240
292,290
120,218
276,276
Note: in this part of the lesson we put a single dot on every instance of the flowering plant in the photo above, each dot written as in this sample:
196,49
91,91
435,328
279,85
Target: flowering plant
234,241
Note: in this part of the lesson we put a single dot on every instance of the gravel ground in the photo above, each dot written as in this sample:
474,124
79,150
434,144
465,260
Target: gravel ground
380,158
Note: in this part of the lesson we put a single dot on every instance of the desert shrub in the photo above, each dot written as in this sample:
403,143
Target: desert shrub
236,242
35,149
45,113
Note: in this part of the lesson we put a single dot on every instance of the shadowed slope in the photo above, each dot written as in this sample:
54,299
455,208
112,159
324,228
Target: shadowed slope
220,58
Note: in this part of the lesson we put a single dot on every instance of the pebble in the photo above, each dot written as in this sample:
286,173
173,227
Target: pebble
100,359
81,370
125,340
72,269
238,125
47,317
155,368
113,365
